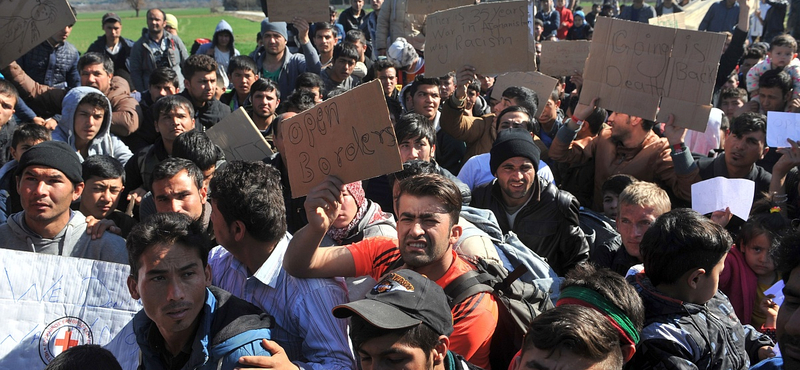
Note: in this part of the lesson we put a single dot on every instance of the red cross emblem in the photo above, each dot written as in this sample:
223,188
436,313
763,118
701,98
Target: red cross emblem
65,340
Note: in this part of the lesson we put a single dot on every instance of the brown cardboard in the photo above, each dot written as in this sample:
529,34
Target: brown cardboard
542,84
563,58
674,20
492,37
349,136
25,24
430,6
239,138
310,10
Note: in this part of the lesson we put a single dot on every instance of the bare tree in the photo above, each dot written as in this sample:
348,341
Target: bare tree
137,5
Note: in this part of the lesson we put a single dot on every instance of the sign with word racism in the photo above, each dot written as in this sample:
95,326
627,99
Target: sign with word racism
310,10
674,20
563,58
430,6
25,24
339,137
543,85
632,65
239,138
492,37
782,126
66,302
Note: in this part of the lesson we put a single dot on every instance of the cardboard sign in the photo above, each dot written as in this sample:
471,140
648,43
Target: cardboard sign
674,20
492,37
632,65
25,24
339,137
543,85
563,58
51,303
310,10
719,193
782,126
430,6
239,138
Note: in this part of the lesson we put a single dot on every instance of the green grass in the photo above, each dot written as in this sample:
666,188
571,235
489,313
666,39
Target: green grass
192,24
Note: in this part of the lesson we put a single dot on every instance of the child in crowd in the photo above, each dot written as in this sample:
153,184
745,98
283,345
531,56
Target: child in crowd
687,320
24,137
580,30
242,73
612,188
221,48
749,269
781,54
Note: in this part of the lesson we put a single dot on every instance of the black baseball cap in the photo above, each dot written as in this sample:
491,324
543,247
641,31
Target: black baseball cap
111,17
402,299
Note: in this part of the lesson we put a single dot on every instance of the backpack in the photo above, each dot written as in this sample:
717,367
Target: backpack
518,304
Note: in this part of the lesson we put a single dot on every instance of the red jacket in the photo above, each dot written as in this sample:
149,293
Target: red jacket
566,17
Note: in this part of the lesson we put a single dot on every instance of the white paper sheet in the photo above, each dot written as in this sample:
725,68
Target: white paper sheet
718,193
780,126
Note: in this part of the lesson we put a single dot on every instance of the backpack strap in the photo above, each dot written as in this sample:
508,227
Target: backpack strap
468,284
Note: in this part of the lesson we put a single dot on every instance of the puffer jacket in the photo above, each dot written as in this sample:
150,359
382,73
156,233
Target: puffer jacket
53,65
682,335
229,328
394,21
104,143
548,225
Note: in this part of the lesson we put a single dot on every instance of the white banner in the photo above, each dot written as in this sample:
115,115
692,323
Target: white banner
51,303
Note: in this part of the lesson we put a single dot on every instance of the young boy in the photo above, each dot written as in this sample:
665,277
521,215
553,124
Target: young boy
689,321
242,72
781,54
340,72
101,195
730,100
612,188
24,137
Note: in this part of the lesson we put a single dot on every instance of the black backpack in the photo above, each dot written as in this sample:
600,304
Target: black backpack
518,304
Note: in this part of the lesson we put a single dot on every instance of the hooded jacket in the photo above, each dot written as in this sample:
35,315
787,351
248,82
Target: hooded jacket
210,49
683,335
72,241
229,328
104,143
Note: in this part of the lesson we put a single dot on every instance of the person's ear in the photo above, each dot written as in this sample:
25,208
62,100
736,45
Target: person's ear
433,151
78,190
558,103
207,273
439,352
203,194
455,233
238,229
766,149
133,287
628,349
694,277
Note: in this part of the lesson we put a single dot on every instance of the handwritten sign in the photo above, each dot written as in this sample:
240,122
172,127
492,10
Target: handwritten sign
632,65
239,138
543,85
563,58
339,137
782,126
674,20
66,302
719,193
25,24
310,10
430,6
492,37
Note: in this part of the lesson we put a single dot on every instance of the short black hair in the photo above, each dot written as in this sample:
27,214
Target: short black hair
102,167
354,36
168,103
322,26
412,168
679,241
92,58
382,65
164,75
29,131
733,92
412,125
776,78
610,285
617,183
300,100
596,120
85,356
198,63
420,336
749,122
169,228
422,80
265,84
197,147
753,53
524,96
787,255
96,100
530,124
7,88
309,80
251,192
242,62
345,50
170,167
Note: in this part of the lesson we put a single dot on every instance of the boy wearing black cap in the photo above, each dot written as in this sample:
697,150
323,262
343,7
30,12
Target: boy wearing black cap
404,322
113,45
544,217
48,180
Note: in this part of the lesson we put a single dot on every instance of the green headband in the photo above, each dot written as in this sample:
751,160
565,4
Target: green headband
600,303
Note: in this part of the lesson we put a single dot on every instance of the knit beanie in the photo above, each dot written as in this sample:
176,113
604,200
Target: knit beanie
510,143
172,21
54,154
279,27
401,53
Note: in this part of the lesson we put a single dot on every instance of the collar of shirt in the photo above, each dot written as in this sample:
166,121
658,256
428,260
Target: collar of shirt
270,271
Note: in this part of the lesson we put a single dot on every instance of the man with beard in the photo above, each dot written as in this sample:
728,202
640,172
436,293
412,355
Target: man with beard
277,63
265,97
630,146
428,207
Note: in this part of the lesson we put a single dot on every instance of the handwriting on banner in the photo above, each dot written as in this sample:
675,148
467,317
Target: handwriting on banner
782,126
492,37
25,24
430,6
338,137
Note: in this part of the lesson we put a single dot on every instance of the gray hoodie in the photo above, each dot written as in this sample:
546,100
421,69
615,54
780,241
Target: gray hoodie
104,142
72,241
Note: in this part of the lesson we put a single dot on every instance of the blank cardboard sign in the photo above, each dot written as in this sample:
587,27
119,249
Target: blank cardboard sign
563,58
430,6
674,20
310,10
492,37
239,138
543,85
339,137
25,24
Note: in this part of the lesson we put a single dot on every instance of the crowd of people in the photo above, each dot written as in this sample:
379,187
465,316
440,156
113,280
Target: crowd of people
106,158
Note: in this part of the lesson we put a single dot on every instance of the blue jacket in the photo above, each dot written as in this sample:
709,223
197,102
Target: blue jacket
229,328
52,66
551,22
719,18
293,66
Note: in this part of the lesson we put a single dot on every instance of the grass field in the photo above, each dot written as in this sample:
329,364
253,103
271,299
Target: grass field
192,24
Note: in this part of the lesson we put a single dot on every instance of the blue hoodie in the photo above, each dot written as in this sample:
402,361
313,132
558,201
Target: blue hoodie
104,143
